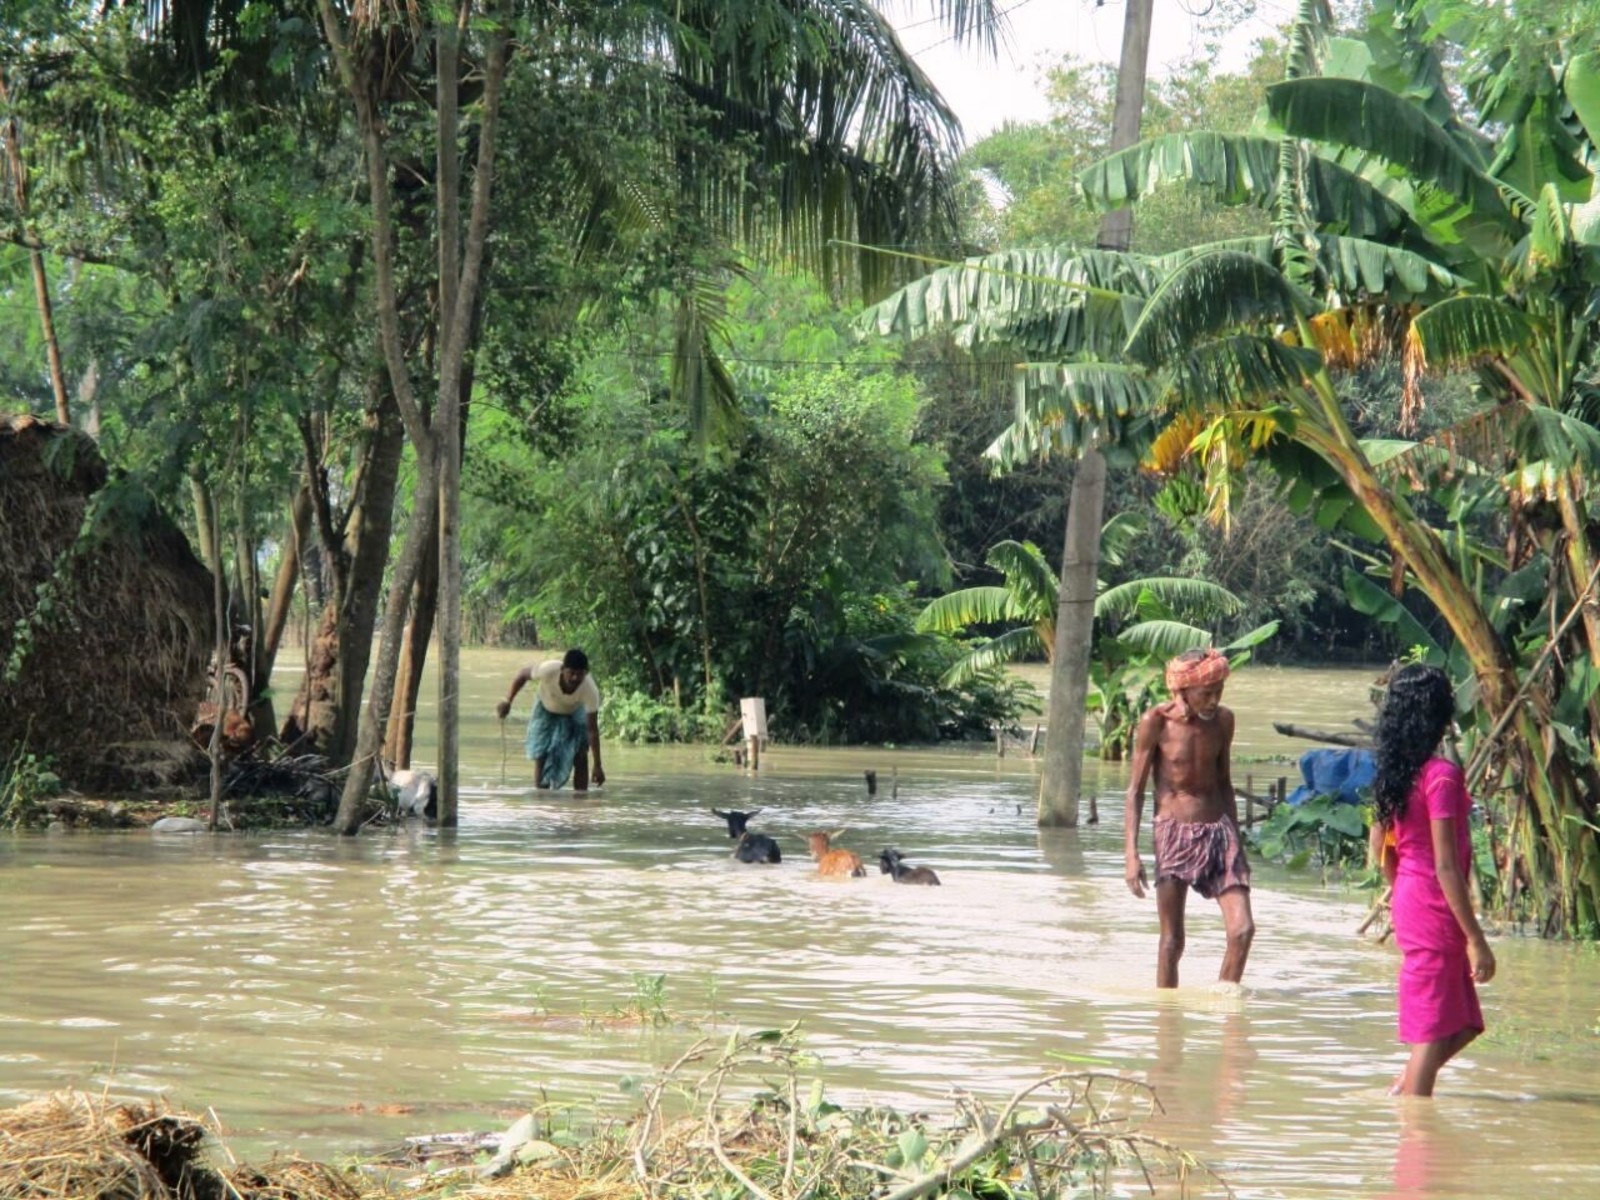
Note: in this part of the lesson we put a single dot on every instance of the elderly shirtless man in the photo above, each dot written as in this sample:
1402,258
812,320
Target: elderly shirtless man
1185,743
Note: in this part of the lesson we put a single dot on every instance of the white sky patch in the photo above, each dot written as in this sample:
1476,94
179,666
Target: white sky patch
985,94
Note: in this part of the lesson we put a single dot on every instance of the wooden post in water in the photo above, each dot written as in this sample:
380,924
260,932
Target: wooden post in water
753,715
999,742
894,783
872,782
1033,742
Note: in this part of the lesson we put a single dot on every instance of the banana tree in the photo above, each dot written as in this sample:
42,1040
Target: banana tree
1498,217
1142,623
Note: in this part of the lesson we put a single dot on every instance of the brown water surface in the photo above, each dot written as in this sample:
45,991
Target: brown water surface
298,983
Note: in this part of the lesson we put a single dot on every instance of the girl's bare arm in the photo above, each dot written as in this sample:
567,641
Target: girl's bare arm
1453,883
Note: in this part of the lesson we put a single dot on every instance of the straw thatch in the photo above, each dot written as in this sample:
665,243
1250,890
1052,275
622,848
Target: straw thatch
105,608
77,1147
71,1146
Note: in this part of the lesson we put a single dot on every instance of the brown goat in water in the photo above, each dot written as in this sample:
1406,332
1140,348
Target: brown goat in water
834,862
890,863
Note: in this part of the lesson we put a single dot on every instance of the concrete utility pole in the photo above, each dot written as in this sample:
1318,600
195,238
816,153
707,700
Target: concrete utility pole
1062,777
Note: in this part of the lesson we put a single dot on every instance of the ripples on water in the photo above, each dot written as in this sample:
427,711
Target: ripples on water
296,983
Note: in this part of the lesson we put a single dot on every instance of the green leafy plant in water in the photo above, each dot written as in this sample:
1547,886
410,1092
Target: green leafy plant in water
25,779
1322,830
648,1004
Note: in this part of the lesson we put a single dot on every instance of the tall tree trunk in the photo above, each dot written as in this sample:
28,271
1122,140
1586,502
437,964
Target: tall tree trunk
367,541
413,657
458,302
283,586
205,525
328,708
41,278
375,713
219,651
1061,779
431,449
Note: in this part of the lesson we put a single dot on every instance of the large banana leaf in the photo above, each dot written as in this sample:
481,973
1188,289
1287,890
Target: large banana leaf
1581,83
1350,266
1067,408
1216,294
1239,169
1064,300
1029,578
1368,598
1237,650
1240,371
971,606
1011,646
1454,199
1196,597
1466,330
1118,535
1535,148
1165,638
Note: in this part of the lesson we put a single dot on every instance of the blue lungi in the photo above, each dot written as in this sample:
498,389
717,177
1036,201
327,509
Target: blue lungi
558,740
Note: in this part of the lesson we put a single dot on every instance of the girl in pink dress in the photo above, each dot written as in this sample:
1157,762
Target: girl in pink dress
1422,802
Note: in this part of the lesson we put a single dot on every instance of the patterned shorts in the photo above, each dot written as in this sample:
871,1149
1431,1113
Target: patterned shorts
1207,855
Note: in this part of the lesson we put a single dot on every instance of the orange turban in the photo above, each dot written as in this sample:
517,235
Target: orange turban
1206,671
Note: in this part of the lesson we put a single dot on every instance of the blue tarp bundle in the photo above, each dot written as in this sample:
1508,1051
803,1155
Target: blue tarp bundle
1337,773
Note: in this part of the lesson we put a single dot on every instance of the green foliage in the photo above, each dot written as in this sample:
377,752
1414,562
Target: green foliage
25,780
779,564
1323,830
634,716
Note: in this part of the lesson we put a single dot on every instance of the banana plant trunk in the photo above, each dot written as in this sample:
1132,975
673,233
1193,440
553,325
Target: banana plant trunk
1061,780
1557,838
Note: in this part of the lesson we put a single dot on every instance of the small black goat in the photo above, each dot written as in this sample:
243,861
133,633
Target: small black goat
889,863
736,820
757,848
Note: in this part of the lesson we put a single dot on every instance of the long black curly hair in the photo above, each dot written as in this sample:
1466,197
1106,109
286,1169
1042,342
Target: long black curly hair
1417,709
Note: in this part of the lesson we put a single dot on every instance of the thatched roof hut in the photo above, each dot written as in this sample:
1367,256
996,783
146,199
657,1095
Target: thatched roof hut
105,617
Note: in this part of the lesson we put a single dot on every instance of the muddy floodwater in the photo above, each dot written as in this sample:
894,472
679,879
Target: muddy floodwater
323,995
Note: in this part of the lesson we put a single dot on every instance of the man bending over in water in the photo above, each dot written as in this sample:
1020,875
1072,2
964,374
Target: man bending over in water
1185,743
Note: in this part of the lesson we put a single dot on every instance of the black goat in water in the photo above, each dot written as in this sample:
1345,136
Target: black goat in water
889,863
752,847
757,848
736,820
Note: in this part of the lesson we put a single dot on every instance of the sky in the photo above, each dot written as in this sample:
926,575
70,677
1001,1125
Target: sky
985,94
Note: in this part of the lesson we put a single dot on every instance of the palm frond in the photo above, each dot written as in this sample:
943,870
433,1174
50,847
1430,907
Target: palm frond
850,140
700,380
